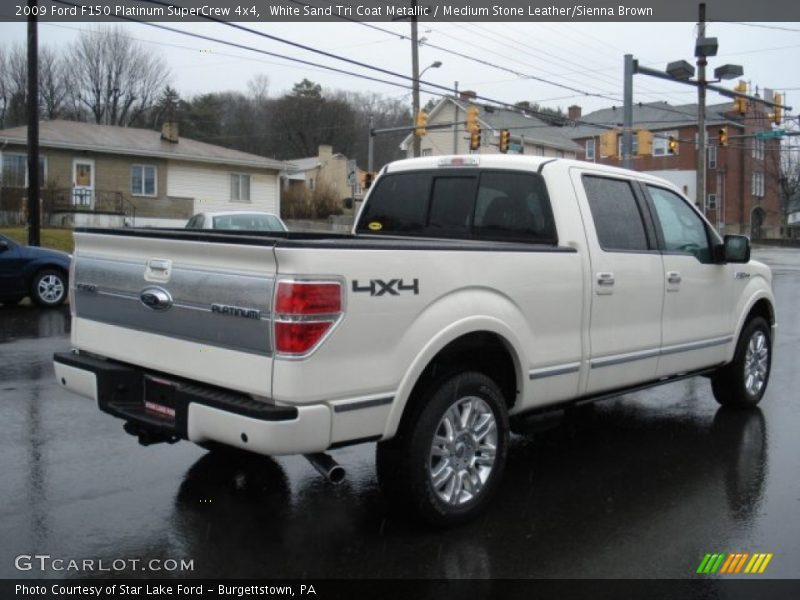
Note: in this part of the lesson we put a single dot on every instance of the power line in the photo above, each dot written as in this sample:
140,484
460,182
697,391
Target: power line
759,25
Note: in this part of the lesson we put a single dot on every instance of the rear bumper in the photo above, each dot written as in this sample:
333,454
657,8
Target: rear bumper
197,413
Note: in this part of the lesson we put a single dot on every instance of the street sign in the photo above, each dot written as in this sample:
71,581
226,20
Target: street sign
514,148
768,135
351,172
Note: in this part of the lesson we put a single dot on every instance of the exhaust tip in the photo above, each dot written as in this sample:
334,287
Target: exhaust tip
337,475
327,467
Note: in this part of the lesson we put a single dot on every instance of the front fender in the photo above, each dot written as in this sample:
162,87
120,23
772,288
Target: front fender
757,289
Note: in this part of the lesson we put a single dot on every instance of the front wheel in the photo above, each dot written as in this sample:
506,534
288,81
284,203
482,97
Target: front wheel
448,458
743,382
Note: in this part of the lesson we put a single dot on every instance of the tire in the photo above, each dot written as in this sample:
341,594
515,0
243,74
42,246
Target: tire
49,287
743,382
445,464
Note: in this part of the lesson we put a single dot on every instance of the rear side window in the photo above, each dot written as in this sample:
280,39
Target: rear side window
615,212
491,205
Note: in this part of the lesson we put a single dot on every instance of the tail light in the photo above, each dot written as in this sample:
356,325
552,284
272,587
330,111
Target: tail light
304,312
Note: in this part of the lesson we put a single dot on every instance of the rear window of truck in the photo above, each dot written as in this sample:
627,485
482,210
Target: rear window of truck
489,205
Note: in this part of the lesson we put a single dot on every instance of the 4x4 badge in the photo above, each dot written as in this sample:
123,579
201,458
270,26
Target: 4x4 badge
393,287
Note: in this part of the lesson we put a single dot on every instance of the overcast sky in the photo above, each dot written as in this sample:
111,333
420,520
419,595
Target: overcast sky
586,56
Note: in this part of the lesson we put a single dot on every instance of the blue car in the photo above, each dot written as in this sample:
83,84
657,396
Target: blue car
40,273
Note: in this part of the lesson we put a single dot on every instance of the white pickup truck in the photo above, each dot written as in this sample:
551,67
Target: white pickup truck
473,288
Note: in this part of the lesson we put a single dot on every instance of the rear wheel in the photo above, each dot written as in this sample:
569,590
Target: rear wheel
448,459
49,287
743,382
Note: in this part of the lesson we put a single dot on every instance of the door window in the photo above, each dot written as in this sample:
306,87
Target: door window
615,212
682,227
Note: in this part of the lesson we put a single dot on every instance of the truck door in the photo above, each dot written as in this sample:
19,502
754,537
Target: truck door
697,327
627,280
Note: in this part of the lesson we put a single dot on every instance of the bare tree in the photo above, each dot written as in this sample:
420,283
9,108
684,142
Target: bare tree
52,84
115,79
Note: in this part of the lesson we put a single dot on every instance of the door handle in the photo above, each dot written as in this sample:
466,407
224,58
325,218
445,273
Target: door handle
674,277
605,279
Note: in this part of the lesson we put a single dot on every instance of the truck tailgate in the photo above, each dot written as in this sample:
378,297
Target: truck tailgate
182,305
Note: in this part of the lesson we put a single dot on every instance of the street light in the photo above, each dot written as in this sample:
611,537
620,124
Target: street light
680,70
415,145
728,72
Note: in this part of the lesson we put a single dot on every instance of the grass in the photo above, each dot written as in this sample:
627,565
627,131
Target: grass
58,239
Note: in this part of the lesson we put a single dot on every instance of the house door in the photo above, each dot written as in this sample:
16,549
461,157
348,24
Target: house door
83,182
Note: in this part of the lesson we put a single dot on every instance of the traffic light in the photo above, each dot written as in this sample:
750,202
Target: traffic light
505,139
777,116
740,104
472,119
475,139
644,139
420,122
369,176
723,137
672,145
608,143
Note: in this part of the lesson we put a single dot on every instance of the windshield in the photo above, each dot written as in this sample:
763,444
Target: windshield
249,222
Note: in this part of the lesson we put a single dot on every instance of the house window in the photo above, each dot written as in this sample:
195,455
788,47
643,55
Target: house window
634,145
240,187
143,180
590,149
427,152
14,171
539,150
711,202
757,184
661,142
712,157
758,149
311,183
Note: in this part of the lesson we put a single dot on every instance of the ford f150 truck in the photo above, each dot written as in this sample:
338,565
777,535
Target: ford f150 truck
472,289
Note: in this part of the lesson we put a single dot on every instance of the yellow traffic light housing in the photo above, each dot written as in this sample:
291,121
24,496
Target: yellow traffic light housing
672,145
475,139
777,116
369,176
419,123
644,140
505,139
740,104
608,143
723,137
472,119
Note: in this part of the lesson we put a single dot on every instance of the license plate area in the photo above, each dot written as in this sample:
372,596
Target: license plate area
159,398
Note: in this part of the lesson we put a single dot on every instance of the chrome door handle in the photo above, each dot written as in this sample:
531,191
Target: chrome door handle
674,277
605,279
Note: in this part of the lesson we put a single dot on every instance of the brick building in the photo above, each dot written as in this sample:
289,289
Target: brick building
741,195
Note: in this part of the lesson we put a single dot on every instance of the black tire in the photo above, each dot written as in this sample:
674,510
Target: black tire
49,287
735,384
406,466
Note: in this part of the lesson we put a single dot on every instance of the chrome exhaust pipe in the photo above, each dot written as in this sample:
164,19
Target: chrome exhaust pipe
327,467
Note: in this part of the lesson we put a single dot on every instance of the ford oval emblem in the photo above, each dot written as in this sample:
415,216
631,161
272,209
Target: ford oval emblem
156,298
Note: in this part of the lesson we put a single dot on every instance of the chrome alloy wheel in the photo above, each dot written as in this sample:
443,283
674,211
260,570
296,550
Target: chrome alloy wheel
50,289
463,451
756,362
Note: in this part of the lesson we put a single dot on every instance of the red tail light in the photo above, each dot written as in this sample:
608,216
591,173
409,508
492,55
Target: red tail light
304,313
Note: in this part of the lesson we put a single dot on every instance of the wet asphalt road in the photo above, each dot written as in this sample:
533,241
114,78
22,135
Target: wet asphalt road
642,486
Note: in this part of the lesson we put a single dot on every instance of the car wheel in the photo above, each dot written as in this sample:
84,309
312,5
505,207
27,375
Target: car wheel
49,287
448,460
743,382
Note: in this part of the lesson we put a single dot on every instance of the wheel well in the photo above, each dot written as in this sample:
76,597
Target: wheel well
480,351
764,309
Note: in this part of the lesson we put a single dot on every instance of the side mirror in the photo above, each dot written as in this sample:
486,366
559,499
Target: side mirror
3,245
737,249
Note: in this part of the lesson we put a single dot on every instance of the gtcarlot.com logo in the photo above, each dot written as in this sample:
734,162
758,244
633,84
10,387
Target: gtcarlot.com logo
735,563
45,562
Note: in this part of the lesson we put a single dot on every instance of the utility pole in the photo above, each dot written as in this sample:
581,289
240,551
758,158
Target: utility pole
415,75
455,119
627,113
33,129
700,196
371,145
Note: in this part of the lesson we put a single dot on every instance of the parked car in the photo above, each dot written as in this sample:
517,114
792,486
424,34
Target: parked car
241,221
473,290
40,273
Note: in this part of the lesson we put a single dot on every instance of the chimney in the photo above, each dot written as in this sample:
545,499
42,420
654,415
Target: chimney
325,152
468,95
169,131
574,112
